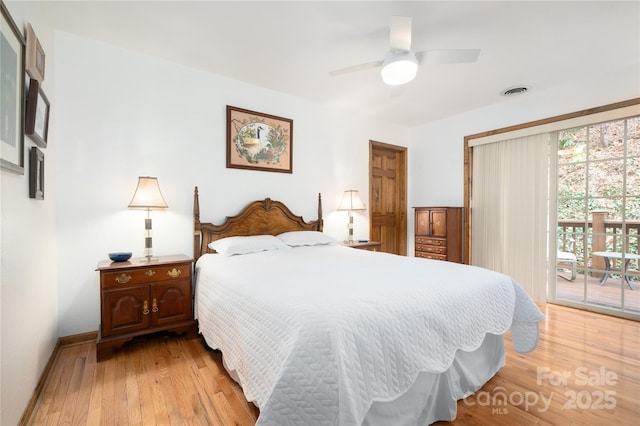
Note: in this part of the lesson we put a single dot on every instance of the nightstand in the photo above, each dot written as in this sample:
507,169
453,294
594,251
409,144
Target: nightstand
369,245
140,297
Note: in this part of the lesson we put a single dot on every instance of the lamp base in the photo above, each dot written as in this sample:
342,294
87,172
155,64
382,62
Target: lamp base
149,259
148,241
349,239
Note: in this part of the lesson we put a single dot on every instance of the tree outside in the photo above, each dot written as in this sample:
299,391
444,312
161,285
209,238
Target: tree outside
599,170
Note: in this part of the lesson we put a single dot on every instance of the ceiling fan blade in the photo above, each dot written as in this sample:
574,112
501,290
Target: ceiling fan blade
448,56
400,33
355,68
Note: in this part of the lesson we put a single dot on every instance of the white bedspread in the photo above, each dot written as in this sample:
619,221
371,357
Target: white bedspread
316,334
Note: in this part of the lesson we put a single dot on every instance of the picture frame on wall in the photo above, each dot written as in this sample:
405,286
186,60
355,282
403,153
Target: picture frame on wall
259,141
36,124
12,47
36,174
35,56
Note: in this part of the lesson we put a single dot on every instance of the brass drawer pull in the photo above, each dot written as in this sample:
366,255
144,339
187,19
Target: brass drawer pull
150,273
174,273
154,306
123,278
145,308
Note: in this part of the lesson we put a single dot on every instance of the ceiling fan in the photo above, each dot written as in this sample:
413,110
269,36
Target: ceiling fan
400,64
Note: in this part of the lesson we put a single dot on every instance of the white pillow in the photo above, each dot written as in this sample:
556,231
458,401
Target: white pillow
249,244
306,238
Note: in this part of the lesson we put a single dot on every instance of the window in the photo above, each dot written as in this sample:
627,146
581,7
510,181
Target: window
598,213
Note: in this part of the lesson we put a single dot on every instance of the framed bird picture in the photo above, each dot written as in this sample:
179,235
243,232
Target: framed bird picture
258,141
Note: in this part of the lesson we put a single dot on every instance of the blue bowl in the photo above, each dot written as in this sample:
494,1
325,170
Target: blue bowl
120,256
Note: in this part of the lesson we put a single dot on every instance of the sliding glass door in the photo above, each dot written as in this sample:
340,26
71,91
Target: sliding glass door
598,216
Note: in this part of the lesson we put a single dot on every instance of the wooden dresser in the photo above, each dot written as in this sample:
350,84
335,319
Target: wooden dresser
138,297
438,233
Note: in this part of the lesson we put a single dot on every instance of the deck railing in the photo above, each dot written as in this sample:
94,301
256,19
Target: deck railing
605,235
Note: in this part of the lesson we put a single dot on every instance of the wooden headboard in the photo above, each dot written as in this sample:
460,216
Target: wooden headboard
265,217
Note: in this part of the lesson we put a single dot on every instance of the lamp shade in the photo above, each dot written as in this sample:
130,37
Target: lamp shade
399,68
148,195
351,201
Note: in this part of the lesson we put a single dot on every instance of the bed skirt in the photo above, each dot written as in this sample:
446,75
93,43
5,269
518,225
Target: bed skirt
433,396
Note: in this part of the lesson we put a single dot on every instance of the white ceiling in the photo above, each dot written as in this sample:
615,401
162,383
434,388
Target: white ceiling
290,47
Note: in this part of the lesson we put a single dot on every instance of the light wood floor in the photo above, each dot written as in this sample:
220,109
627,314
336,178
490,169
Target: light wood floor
174,381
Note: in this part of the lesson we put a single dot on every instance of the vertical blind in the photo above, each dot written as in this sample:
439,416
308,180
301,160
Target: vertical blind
510,194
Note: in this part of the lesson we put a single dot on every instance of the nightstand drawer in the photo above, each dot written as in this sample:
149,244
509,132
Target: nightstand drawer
127,277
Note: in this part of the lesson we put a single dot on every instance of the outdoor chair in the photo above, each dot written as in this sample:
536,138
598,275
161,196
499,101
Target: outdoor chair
568,259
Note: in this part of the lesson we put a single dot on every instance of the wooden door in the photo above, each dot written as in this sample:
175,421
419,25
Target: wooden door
388,196
171,302
125,310
438,223
423,219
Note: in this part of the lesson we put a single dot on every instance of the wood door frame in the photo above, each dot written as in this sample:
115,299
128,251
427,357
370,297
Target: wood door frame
401,187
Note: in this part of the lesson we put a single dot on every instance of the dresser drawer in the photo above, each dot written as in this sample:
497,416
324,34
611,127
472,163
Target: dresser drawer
425,255
431,241
150,274
431,249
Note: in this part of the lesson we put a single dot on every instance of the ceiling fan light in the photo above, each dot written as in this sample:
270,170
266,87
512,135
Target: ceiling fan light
399,68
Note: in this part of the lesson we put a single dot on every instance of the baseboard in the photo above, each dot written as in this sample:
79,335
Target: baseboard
78,339
75,339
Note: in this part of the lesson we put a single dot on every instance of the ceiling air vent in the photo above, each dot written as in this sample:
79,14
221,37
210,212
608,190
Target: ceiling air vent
512,91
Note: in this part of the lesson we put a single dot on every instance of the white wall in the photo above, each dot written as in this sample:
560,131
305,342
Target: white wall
437,149
122,115
28,291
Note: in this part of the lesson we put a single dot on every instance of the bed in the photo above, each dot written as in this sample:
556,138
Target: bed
318,333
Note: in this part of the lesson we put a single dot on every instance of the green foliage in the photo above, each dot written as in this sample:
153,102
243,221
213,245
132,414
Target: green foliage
567,139
571,205
603,143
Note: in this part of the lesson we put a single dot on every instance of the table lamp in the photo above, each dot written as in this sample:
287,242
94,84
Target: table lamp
351,202
148,197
